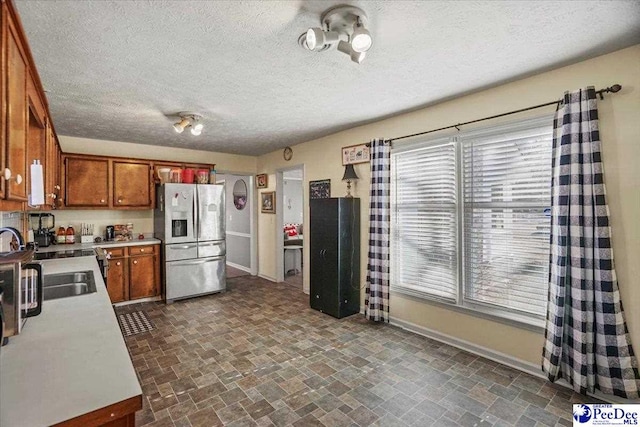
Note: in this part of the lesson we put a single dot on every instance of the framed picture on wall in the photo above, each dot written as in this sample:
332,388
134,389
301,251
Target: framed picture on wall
262,180
320,189
355,154
268,202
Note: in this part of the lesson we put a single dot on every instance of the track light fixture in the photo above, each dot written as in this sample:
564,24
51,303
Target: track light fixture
179,127
343,28
189,120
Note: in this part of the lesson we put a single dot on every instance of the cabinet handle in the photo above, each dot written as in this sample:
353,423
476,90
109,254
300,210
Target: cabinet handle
7,176
119,200
101,200
118,263
135,261
141,250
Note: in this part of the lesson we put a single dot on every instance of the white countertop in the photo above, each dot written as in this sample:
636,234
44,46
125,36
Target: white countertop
76,246
69,360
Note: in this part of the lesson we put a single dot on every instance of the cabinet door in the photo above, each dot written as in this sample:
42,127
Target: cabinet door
142,276
131,184
36,131
86,182
117,280
52,170
16,154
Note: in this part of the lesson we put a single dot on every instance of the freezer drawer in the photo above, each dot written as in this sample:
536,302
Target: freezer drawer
181,251
209,249
195,277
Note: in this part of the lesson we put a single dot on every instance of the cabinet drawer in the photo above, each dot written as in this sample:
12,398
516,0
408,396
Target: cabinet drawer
115,252
141,250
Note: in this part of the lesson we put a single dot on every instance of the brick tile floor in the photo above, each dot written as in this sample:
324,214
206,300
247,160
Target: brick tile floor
257,355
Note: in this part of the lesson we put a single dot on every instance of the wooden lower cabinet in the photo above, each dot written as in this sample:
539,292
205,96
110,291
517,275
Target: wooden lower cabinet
143,280
117,279
134,272
121,414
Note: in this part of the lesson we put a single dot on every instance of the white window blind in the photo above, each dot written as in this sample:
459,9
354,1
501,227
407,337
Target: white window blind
470,219
424,221
506,224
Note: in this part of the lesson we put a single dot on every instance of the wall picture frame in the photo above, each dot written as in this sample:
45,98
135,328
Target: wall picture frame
262,180
320,189
353,154
268,202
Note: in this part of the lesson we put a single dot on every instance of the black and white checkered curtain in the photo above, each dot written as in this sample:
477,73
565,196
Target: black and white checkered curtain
586,337
377,291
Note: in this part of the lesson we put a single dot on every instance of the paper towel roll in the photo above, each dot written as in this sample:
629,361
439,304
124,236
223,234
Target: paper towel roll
37,184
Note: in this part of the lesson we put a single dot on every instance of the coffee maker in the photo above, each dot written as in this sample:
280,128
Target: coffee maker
43,226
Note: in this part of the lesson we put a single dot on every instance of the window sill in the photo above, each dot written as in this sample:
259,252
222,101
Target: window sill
507,318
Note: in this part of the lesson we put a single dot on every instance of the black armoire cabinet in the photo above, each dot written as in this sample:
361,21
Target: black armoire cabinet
334,233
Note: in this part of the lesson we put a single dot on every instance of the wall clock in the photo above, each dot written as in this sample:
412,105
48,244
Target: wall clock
287,153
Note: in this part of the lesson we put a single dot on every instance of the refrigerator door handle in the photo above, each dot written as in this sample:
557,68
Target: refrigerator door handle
214,243
173,247
200,261
194,214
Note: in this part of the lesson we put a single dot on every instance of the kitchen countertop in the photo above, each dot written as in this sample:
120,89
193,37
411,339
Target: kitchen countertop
69,360
76,246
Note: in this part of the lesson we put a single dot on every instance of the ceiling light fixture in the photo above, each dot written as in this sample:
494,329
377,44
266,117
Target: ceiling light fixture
179,127
189,120
343,28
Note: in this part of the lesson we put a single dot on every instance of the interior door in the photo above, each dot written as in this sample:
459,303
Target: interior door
239,211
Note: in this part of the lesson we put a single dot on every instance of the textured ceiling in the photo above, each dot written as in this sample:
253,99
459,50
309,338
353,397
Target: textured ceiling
117,70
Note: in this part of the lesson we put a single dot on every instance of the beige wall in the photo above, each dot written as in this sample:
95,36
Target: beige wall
620,132
224,162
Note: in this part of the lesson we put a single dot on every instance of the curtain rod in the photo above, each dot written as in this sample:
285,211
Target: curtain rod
612,89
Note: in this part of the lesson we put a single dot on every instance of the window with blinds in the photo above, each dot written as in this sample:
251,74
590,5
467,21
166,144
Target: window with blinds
507,194
471,219
424,221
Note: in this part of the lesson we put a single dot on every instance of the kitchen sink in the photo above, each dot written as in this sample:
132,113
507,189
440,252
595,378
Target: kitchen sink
68,285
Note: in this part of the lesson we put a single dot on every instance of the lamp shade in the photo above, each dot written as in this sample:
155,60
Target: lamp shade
349,173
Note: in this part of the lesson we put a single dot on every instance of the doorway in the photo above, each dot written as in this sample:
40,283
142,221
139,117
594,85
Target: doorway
290,225
240,225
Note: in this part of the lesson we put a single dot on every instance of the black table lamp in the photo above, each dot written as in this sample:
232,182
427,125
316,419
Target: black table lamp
349,175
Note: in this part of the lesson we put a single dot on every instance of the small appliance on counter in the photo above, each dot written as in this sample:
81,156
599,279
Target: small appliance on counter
21,281
43,226
110,233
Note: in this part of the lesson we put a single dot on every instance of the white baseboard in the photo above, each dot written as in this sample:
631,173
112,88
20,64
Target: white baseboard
239,267
269,278
496,356
476,349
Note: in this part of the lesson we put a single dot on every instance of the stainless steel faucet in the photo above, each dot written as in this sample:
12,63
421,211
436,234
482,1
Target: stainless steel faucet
16,235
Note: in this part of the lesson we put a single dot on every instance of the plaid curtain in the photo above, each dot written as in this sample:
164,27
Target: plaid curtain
376,303
586,337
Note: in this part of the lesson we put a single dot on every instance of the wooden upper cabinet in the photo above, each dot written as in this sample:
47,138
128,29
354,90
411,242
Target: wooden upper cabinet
36,132
16,110
52,170
132,184
86,182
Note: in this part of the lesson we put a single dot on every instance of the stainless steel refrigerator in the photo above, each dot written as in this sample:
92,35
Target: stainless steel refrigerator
189,219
